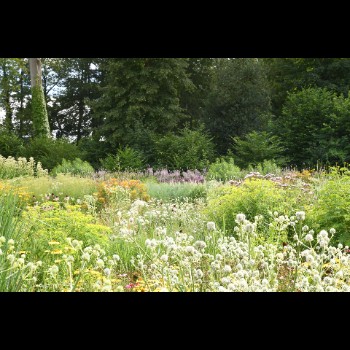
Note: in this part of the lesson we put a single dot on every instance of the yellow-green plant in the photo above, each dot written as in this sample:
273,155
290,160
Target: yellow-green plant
253,197
54,222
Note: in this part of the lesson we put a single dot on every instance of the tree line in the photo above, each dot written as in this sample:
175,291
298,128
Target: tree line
179,112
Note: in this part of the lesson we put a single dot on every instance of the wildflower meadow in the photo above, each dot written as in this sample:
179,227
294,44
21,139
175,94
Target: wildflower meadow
220,230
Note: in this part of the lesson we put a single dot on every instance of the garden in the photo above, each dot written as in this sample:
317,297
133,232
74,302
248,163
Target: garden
223,230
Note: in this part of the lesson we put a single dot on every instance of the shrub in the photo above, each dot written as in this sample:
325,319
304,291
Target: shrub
126,159
254,197
224,169
10,145
332,205
74,167
51,152
256,147
192,149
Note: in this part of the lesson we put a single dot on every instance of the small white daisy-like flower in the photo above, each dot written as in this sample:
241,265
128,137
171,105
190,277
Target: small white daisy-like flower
11,241
211,226
339,274
240,218
11,257
231,287
309,238
280,256
189,249
323,234
100,263
227,268
2,239
249,227
300,215
328,280
222,289
53,269
305,228
332,231
219,257
86,256
225,280
107,271
164,258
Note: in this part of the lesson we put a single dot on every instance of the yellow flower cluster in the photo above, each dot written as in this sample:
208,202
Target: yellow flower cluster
135,188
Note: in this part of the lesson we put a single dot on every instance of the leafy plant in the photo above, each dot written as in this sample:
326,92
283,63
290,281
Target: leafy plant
192,149
51,152
50,222
224,169
254,197
332,205
74,167
10,145
256,147
126,159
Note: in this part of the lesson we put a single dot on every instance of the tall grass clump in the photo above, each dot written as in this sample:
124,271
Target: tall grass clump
11,276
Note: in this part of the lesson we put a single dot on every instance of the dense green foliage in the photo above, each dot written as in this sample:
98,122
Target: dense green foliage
254,197
176,112
74,167
333,204
125,159
39,113
192,149
256,147
224,169
51,152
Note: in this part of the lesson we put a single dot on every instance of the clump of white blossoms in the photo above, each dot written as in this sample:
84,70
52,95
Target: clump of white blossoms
211,226
300,215
240,218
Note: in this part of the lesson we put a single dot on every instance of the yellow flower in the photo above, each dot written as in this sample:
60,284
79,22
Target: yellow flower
56,251
54,242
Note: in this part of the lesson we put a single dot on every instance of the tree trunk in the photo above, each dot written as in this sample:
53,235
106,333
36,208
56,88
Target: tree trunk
6,96
40,118
20,111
